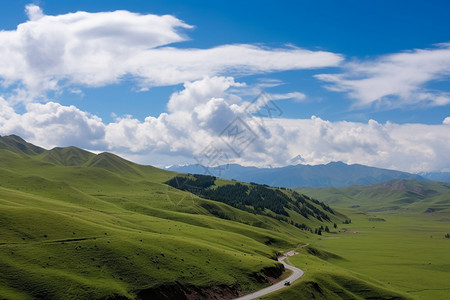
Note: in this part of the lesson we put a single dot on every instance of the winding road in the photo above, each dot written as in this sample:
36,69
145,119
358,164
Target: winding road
297,273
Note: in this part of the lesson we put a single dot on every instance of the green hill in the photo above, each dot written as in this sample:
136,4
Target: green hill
398,235
76,225
405,195
17,144
70,156
83,226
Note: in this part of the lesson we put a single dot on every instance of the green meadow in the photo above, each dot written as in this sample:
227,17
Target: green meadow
381,255
75,225
83,226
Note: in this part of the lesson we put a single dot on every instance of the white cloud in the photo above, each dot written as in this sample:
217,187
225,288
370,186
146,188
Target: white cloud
408,147
396,79
171,65
52,124
72,51
49,53
34,12
200,112
90,49
296,96
197,92
200,118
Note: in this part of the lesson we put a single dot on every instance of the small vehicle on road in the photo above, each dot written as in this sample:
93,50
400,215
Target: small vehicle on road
287,283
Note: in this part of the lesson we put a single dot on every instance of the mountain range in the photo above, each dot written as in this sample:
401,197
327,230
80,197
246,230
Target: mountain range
334,174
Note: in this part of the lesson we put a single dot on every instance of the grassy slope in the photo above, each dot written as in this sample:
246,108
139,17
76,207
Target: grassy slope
77,225
407,253
324,279
409,195
404,249
81,226
400,257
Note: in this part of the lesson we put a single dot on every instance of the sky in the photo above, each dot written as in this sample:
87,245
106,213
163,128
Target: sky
259,83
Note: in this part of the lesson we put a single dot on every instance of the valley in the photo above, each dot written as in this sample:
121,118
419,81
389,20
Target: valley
74,224
224,150
79,225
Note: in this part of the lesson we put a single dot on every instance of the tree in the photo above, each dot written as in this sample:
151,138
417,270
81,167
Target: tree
335,225
327,229
447,236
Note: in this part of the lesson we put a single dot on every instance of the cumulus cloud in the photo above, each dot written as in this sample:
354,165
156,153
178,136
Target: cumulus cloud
395,79
34,12
49,53
200,91
196,115
52,124
90,49
205,111
201,118
76,50
408,147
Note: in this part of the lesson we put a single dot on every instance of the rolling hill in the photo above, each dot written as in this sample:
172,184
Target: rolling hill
406,195
79,225
74,224
334,174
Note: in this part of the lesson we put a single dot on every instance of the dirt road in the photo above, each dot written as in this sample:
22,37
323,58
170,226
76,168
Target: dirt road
297,273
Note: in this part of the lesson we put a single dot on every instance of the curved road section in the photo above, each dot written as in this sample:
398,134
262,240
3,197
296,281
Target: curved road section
297,273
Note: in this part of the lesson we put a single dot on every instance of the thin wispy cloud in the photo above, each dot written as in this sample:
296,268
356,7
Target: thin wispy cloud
296,96
395,80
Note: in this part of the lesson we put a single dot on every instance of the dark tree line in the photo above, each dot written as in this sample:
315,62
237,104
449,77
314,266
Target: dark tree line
255,198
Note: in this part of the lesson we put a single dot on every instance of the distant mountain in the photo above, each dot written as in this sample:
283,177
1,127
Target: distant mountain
334,174
410,195
436,176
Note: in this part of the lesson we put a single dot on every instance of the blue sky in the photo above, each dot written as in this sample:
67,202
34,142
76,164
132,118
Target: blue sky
358,81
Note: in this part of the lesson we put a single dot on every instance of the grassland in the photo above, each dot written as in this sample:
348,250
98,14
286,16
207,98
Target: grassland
409,196
379,255
75,225
83,226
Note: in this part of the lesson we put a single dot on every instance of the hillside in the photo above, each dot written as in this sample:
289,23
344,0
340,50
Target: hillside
15,143
407,195
334,174
79,225
76,225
